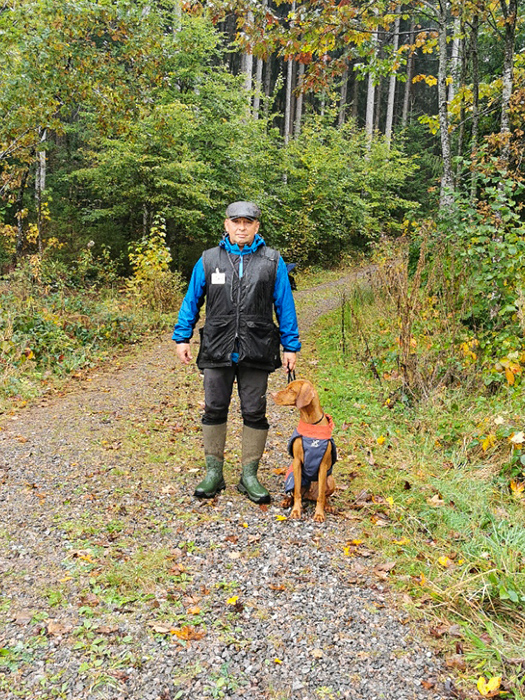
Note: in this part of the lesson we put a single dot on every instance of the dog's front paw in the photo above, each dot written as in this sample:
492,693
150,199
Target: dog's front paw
295,514
319,516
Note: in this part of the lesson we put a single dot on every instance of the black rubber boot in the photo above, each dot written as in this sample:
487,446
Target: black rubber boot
253,442
214,440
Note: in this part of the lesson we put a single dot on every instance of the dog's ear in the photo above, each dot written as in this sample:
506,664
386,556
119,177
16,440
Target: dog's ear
305,396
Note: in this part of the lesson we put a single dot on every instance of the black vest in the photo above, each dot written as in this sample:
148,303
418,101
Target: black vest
239,312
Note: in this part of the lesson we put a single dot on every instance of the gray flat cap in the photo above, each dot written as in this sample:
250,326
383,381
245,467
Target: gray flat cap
243,210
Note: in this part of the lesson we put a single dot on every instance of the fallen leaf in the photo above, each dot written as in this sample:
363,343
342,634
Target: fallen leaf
187,633
401,542
275,587
234,555
489,688
232,600
317,653
381,440
436,500
456,661
517,438
280,472
445,562
517,488
57,629
194,611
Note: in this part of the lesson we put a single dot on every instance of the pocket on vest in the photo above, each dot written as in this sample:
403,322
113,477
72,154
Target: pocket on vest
263,342
217,340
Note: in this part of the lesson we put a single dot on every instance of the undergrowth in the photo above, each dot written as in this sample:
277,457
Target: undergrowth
57,320
438,475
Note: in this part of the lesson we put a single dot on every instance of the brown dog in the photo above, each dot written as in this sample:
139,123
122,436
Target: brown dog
311,479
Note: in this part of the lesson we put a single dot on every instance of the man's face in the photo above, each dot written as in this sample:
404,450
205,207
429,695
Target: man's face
241,231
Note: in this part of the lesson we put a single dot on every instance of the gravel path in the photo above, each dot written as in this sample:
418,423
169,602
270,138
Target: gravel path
117,583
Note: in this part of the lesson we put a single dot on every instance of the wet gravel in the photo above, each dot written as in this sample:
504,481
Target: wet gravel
117,583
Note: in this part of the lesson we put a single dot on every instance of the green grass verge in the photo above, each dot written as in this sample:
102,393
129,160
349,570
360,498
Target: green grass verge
438,486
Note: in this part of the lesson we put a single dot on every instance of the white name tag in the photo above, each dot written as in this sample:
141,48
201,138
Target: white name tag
218,277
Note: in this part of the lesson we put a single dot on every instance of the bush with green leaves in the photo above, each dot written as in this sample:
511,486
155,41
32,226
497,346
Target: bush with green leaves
486,249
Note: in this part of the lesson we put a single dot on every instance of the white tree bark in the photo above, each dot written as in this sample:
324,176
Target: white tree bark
447,178
258,88
454,60
40,186
392,87
370,95
510,11
288,102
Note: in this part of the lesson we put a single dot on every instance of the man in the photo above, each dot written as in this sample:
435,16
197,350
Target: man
243,281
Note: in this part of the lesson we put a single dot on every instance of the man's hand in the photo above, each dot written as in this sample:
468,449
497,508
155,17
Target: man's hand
184,353
289,360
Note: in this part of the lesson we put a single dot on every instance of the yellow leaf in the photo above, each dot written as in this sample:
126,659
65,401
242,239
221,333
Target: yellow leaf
445,561
194,611
381,440
281,517
490,688
245,524
488,442
402,541
509,375
278,661
517,488
232,600
390,501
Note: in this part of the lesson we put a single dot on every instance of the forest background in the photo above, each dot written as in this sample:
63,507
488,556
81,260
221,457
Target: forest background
386,133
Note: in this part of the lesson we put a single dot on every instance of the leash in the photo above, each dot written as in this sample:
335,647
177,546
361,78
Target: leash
291,376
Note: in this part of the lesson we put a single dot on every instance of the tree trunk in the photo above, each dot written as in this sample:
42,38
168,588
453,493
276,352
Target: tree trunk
258,88
299,100
462,111
343,98
371,92
392,86
21,233
475,104
40,186
177,16
258,79
288,102
447,179
454,59
410,75
355,100
267,85
510,11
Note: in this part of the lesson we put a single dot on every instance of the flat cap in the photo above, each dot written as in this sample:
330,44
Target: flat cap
243,210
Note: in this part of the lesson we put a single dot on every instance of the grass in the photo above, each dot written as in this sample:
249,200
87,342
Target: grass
439,498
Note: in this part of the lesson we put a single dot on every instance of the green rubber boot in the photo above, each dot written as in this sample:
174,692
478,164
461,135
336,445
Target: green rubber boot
253,442
214,440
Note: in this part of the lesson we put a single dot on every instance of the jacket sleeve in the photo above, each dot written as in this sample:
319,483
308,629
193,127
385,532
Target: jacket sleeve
285,309
191,304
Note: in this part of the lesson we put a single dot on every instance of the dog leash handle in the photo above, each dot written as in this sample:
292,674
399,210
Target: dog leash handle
291,376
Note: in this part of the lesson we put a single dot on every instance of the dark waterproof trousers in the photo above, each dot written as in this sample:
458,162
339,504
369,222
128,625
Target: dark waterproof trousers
251,385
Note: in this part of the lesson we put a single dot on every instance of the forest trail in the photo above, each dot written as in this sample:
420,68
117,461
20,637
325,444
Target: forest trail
118,583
